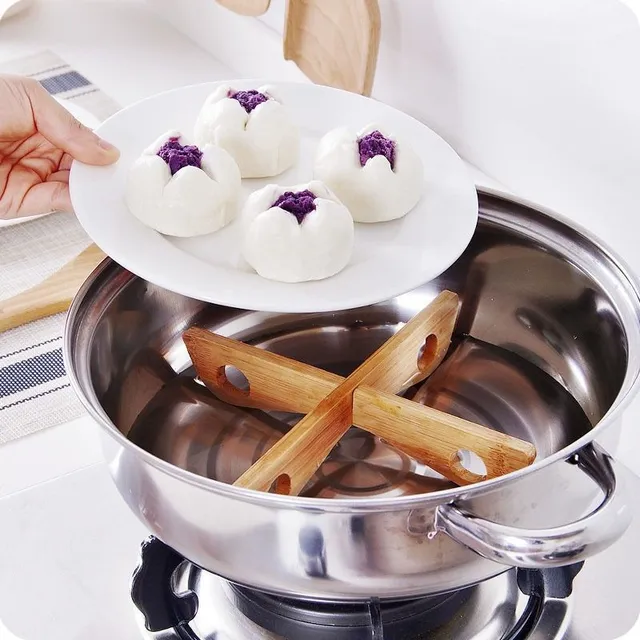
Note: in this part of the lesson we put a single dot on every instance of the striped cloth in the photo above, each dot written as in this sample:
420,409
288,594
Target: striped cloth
34,389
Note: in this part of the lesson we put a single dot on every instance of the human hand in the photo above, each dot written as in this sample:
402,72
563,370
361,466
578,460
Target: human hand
39,139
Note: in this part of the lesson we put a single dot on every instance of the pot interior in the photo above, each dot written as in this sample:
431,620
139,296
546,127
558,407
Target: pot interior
541,351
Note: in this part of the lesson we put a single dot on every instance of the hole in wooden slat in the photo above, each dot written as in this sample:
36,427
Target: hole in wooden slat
469,465
282,484
233,380
472,462
427,353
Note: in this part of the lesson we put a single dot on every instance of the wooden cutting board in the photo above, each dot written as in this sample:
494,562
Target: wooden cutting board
334,42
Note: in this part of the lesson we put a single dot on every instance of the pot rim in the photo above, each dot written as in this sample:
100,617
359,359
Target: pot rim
363,505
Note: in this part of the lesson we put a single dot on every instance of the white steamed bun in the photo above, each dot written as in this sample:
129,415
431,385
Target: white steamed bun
175,196
309,236
376,176
253,126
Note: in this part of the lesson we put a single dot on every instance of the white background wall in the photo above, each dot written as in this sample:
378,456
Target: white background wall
542,95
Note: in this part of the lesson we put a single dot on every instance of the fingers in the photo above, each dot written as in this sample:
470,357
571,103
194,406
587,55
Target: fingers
59,176
65,163
58,126
46,197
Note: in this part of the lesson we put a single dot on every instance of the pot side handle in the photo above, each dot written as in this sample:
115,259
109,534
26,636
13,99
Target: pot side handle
552,547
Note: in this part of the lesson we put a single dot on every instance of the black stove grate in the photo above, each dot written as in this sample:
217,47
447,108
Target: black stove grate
373,620
153,594
152,591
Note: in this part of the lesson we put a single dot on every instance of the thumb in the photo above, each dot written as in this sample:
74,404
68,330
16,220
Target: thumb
58,126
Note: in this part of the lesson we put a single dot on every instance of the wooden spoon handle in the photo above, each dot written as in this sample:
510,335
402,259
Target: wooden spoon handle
51,296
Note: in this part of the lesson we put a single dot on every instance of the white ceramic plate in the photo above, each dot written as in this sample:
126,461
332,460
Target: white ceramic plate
88,120
389,258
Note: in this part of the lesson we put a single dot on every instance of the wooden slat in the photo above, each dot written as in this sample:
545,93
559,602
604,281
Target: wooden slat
428,435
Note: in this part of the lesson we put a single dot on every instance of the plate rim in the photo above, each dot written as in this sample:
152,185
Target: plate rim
356,302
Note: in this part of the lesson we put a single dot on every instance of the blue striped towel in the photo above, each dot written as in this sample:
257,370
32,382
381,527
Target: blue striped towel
34,390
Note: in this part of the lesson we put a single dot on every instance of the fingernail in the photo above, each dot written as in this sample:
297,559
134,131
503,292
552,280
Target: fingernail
107,146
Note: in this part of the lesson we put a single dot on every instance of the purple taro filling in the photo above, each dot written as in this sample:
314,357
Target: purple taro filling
178,156
375,144
249,100
299,204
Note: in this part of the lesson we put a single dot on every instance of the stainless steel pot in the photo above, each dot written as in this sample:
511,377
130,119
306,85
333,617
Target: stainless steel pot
547,349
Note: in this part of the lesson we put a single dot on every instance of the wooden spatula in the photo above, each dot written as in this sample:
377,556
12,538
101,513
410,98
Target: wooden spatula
332,404
51,296
334,42
246,7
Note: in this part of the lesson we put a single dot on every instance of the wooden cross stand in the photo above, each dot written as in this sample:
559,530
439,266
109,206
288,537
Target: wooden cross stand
366,398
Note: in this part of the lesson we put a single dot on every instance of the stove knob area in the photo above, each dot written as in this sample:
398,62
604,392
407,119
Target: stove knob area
152,588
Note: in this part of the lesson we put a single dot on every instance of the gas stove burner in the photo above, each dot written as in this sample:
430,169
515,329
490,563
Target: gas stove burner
291,618
179,601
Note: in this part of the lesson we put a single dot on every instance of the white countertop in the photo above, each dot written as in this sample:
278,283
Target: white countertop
128,52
